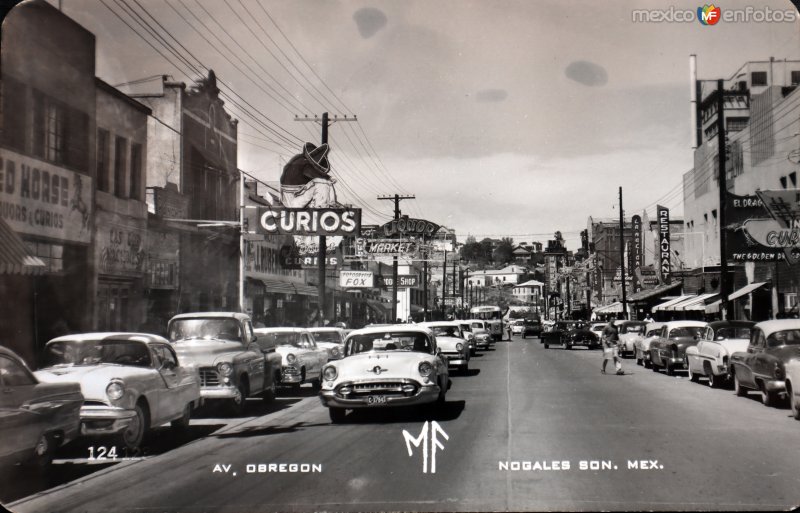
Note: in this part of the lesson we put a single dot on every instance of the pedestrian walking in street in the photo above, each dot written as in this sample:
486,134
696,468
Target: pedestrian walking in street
610,337
649,318
508,330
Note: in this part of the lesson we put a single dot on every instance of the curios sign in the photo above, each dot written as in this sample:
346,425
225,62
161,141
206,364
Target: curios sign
309,221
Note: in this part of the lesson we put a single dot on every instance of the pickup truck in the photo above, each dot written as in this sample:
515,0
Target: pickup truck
232,365
762,366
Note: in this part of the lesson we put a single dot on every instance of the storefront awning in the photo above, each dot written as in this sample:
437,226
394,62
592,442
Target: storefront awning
306,290
14,255
663,306
607,309
695,303
379,307
643,295
747,289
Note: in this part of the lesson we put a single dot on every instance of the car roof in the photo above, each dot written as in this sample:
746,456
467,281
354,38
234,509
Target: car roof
685,324
8,352
770,327
736,324
443,324
324,329
410,328
113,335
264,331
221,315
633,323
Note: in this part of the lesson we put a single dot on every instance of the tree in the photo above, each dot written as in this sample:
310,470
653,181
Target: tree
504,252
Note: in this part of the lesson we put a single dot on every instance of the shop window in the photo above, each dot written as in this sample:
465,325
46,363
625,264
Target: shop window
793,178
790,301
51,254
103,150
13,109
783,181
120,154
136,171
795,77
113,307
60,133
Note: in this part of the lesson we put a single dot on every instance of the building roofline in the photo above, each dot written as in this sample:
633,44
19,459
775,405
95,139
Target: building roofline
105,86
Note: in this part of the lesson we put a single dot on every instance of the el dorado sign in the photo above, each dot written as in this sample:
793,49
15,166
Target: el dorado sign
309,221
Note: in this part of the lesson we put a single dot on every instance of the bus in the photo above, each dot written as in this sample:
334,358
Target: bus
493,317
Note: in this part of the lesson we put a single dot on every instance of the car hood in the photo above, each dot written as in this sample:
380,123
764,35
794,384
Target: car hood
207,353
733,345
93,379
683,342
449,343
284,351
393,365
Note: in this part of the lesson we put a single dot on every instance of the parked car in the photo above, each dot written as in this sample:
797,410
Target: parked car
531,328
793,386
469,336
223,347
517,327
641,346
385,367
131,383
331,339
483,339
762,365
450,342
597,327
570,334
301,358
629,332
668,350
711,356
37,417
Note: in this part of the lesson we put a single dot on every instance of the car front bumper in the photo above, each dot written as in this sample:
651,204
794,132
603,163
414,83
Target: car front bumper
291,376
99,420
426,394
220,392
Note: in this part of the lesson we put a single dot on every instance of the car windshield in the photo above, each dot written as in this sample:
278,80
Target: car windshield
784,338
444,331
633,328
686,331
732,332
466,327
92,352
327,336
389,341
204,328
478,325
281,338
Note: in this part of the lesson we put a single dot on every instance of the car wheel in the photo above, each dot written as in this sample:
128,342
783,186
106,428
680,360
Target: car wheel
646,363
42,453
768,397
134,434
794,404
338,415
670,370
271,391
546,345
567,346
237,407
182,423
316,384
738,389
693,376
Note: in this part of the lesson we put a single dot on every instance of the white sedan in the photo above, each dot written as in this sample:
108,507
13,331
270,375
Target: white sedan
451,342
793,386
302,358
710,357
331,339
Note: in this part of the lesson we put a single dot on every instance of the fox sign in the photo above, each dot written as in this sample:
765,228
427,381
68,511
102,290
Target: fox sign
355,279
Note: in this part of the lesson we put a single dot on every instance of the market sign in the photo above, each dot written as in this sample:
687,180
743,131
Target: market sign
356,279
366,248
37,198
309,221
664,249
406,226
403,281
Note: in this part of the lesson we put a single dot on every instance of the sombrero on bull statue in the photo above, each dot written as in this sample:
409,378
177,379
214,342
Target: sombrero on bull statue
317,156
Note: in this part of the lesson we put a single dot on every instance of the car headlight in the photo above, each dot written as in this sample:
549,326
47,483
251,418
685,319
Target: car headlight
115,390
335,352
425,369
330,373
779,371
459,346
224,369
291,358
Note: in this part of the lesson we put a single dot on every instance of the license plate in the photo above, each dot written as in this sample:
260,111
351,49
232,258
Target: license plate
374,400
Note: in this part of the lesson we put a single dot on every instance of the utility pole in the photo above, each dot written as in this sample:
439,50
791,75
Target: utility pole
424,281
622,255
322,253
396,198
455,284
444,282
722,151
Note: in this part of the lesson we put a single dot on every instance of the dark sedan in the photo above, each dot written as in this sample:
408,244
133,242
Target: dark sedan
570,334
531,328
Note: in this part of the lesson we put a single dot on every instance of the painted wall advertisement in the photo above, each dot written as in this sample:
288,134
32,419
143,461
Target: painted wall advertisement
37,198
664,246
120,245
764,227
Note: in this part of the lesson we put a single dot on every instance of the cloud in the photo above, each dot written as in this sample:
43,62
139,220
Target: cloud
586,73
369,21
491,95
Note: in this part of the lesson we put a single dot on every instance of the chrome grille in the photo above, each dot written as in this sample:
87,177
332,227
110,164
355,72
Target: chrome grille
385,388
209,377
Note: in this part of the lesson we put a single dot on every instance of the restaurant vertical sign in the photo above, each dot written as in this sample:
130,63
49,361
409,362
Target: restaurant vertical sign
637,254
664,268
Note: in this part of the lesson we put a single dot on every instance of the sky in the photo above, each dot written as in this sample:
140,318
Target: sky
502,118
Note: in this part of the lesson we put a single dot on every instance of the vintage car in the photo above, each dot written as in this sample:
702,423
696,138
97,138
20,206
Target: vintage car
384,367
762,365
641,346
517,326
450,342
301,358
469,336
36,417
570,334
223,347
711,356
629,332
531,328
668,349
330,339
483,339
131,382
793,386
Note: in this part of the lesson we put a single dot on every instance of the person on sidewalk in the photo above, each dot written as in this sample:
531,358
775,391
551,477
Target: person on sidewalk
610,338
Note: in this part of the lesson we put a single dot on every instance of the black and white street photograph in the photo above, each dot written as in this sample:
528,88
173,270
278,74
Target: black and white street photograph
399,255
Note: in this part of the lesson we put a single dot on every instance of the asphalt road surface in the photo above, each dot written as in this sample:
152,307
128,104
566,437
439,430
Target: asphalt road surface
515,434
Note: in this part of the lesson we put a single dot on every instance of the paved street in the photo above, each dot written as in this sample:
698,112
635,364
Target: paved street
521,403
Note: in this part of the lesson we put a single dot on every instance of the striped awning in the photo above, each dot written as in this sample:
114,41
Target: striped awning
695,303
664,306
612,308
747,289
15,258
646,294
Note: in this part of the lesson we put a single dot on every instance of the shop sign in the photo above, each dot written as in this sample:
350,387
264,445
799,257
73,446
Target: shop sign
170,203
356,279
120,247
664,245
367,248
406,226
749,228
403,281
310,221
637,254
37,198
